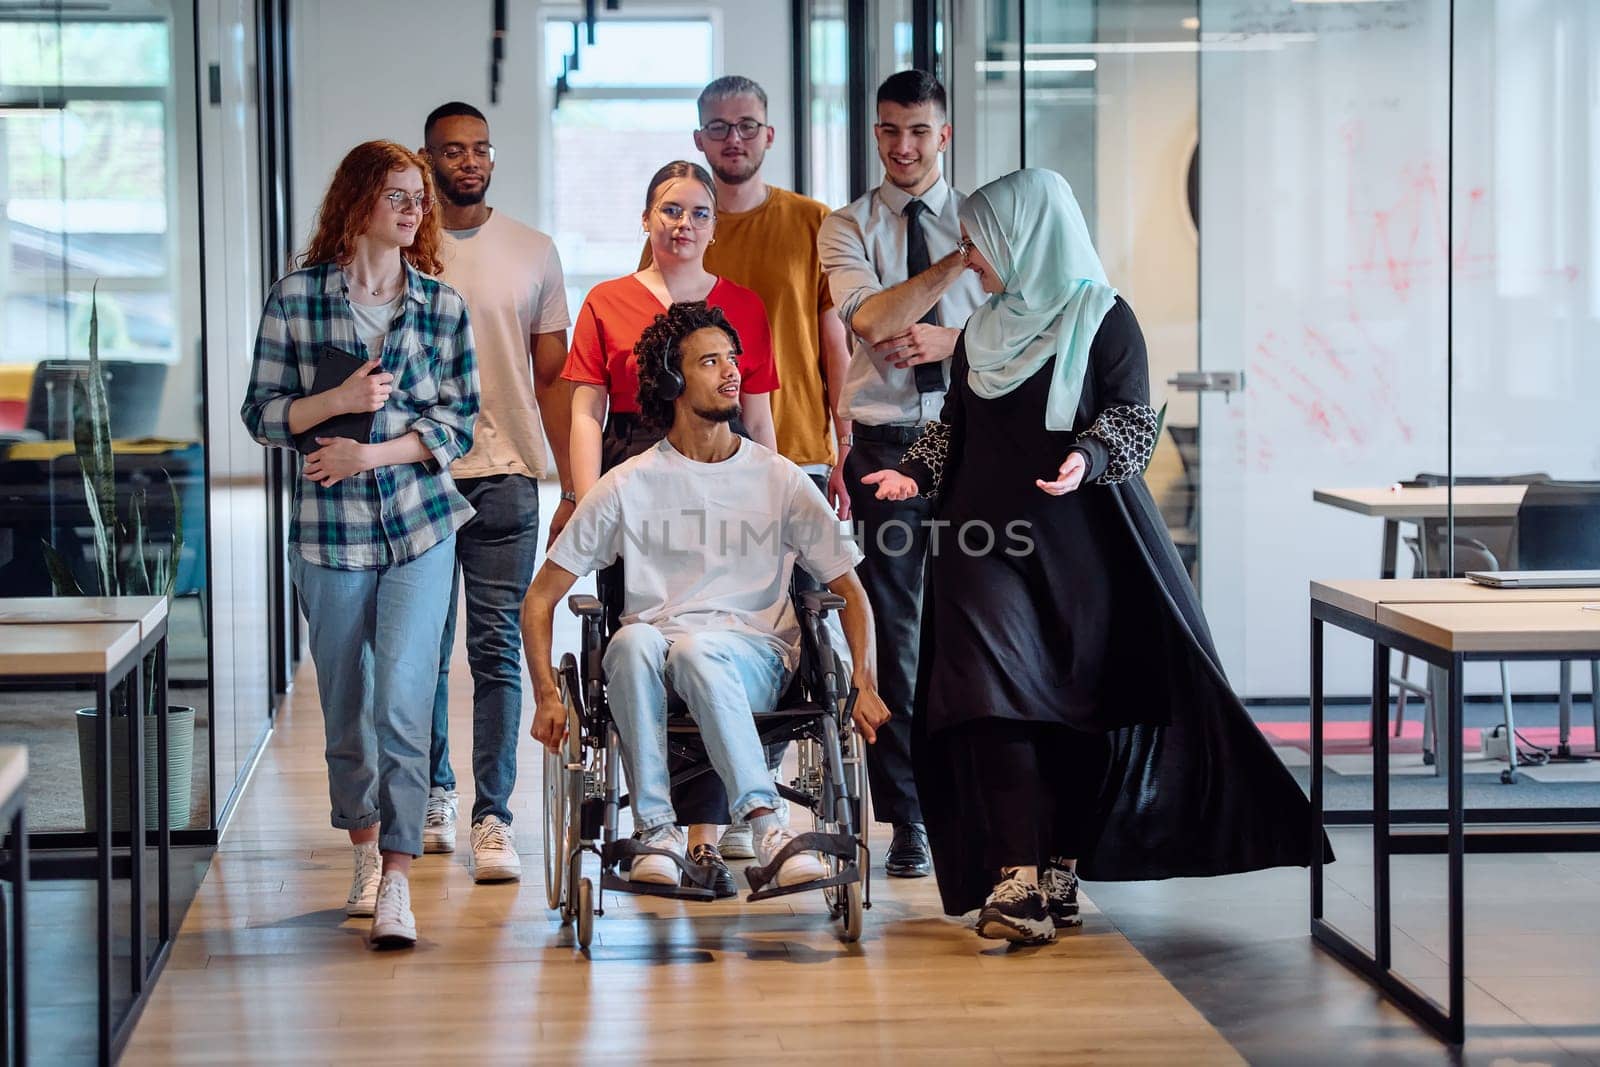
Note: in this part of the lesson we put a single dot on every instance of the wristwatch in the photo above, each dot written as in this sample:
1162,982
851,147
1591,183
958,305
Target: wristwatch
570,497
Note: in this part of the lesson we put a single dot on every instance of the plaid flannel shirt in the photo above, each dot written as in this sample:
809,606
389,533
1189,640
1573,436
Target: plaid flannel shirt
390,514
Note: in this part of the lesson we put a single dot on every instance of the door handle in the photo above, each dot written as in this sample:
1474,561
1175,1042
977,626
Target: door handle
1225,382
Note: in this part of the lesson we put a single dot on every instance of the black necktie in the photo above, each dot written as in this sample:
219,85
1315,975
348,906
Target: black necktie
929,376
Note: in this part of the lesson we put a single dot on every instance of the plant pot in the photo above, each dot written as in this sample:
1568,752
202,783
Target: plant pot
180,767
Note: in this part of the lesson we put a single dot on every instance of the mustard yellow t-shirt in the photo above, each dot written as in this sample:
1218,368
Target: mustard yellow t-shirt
773,250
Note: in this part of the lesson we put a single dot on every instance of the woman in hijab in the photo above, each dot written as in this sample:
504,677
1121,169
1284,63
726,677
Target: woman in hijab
1072,713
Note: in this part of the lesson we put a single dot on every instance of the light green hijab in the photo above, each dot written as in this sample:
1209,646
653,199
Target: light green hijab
1029,227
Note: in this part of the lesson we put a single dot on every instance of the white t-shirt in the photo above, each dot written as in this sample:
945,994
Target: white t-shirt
709,546
373,322
510,276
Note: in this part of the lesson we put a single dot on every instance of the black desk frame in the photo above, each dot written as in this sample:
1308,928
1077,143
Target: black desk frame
113,1035
1447,1021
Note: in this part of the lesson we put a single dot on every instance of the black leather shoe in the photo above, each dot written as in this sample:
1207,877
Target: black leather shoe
908,853
722,883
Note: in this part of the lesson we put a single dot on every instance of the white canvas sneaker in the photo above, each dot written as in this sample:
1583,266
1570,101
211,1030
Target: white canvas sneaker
393,925
439,824
363,896
798,868
658,870
494,852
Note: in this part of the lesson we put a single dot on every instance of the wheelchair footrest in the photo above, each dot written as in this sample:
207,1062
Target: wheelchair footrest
618,884
694,882
841,846
848,876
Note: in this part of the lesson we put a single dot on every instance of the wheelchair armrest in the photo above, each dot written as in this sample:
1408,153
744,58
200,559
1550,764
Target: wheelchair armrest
819,601
585,606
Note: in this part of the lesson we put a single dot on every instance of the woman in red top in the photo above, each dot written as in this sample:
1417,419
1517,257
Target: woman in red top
679,217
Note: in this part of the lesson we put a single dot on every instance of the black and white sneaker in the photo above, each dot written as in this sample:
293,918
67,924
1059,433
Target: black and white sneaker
722,883
1060,888
1016,911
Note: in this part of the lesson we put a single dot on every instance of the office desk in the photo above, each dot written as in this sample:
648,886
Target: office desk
14,979
104,655
1461,625
1483,503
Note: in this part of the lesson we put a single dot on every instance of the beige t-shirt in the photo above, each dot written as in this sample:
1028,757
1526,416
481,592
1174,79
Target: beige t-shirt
510,276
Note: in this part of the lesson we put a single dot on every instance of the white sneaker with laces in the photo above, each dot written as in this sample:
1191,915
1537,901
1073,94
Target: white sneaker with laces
393,925
494,852
658,870
363,896
736,843
798,868
439,823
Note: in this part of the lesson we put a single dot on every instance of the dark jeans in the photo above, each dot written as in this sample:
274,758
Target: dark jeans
892,575
1035,786
495,555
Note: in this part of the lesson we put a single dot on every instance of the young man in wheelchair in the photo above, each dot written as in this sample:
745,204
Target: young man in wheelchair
709,527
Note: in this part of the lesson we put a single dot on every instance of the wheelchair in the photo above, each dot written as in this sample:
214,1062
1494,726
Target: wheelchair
583,782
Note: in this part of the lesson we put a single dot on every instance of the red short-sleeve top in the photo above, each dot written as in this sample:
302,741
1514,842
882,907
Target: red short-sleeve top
616,313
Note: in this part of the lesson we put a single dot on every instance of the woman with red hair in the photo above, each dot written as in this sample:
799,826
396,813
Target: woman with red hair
375,513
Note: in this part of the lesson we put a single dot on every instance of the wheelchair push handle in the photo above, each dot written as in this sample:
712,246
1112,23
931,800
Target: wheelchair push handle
584,606
820,601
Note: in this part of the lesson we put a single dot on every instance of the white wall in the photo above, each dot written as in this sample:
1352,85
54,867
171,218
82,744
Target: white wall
367,69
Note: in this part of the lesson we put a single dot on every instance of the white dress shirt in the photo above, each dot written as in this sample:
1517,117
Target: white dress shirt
863,248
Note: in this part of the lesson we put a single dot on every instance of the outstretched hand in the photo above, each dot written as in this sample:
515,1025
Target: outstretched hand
1068,478
892,485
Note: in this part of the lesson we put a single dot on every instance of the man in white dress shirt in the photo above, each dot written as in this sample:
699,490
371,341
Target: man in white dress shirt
900,287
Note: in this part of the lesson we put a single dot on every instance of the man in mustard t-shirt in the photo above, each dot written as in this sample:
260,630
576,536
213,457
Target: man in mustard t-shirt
766,239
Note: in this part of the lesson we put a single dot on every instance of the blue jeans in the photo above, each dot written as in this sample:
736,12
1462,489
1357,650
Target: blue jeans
375,642
495,551
725,679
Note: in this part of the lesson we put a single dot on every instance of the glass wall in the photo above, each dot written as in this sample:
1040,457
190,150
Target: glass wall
131,182
1351,273
92,201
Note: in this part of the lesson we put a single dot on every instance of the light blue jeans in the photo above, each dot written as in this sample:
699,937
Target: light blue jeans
375,641
726,679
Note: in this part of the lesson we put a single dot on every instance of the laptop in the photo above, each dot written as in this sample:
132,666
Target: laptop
1536,579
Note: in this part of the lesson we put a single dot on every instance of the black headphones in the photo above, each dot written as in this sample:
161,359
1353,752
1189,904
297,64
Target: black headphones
672,385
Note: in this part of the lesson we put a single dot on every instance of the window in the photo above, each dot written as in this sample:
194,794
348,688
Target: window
623,114
85,186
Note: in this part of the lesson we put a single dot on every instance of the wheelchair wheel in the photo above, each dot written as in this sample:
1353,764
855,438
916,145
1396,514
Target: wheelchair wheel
556,844
585,906
852,914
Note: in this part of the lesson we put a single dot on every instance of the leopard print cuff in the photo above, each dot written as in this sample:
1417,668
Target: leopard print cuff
931,449
1129,434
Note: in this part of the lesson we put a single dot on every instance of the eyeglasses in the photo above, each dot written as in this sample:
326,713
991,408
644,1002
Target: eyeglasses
718,130
398,200
455,153
699,218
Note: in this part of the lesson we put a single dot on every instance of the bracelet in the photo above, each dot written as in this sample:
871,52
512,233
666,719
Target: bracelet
570,497
847,440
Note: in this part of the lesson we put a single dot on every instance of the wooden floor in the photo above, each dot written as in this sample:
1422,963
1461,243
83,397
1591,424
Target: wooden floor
268,970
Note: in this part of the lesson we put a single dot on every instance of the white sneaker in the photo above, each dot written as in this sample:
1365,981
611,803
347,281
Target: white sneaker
363,896
494,852
393,924
798,868
658,870
736,844
439,824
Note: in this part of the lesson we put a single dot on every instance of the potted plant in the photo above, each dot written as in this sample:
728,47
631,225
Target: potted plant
128,561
